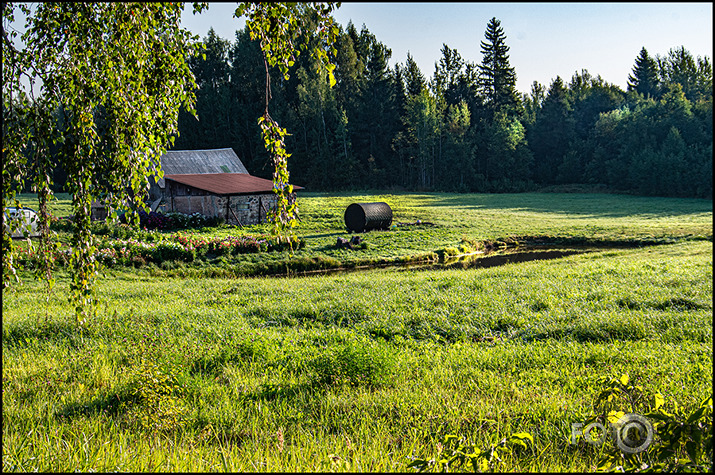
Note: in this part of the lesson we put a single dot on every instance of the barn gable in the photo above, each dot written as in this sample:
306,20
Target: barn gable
195,162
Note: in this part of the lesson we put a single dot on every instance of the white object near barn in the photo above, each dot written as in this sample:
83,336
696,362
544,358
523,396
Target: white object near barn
28,222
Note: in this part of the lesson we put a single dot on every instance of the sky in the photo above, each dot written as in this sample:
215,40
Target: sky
545,39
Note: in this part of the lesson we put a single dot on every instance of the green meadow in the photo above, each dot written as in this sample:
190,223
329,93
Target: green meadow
203,366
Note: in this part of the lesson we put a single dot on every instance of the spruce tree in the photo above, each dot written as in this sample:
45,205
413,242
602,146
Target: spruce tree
415,81
644,79
551,133
497,79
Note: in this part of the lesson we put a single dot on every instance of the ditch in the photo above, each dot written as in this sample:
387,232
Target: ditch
473,260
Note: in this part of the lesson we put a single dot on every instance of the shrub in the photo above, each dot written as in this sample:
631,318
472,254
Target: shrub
156,403
455,453
355,363
62,224
173,220
182,221
682,439
171,251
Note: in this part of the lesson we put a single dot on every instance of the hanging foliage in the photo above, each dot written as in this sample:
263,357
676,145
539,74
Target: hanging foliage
280,31
95,88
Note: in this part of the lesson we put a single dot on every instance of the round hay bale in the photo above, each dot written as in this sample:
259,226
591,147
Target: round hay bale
362,217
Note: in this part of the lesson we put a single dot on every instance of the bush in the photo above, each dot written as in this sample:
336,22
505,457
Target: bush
62,224
355,363
182,221
171,251
172,221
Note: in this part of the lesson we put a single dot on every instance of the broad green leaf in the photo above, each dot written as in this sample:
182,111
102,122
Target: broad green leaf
659,400
523,435
696,415
691,449
615,416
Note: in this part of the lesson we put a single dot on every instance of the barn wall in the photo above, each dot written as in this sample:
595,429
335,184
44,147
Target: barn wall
249,209
207,205
98,213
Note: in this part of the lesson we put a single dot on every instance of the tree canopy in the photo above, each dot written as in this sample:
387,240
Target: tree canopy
107,83
383,126
111,78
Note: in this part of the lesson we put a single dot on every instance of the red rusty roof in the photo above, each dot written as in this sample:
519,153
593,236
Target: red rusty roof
226,183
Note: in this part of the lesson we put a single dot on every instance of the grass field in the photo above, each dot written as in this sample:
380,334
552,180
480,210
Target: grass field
451,223
364,371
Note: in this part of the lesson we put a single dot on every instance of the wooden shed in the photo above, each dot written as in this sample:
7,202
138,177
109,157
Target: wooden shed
213,183
237,197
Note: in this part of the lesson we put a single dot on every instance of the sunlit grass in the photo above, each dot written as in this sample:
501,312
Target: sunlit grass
361,371
355,372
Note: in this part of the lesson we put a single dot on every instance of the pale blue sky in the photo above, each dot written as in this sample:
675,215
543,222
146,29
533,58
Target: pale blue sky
545,39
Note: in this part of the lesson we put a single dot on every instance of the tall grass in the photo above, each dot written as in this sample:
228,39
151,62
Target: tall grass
353,372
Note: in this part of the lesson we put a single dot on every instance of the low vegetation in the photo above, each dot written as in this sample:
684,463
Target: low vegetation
426,227
381,370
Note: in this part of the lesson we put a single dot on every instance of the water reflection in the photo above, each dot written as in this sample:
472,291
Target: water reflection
480,259
500,258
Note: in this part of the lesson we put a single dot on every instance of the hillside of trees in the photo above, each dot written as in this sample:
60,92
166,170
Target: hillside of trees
464,129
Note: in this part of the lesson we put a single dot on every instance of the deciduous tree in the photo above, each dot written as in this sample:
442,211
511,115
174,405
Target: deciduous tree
118,72
279,28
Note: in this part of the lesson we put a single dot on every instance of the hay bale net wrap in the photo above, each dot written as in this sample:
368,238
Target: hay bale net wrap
360,217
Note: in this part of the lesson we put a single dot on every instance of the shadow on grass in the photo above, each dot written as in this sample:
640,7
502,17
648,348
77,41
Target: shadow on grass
107,404
212,365
334,317
28,333
271,392
590,204
316,236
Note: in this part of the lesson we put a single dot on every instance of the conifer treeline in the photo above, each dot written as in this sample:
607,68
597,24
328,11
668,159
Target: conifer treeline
464,129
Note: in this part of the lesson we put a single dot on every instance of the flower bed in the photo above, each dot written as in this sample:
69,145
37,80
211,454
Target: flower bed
147,221
176,247
231,245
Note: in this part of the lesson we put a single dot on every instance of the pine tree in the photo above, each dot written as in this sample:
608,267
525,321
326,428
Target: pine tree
644,79
497,79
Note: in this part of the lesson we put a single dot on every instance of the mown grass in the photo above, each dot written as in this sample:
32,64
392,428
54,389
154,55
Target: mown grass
361,371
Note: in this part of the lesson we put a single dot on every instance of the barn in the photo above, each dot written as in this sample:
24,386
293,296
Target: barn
195,162
213,183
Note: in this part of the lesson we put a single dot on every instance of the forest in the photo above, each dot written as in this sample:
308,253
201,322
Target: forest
466,128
